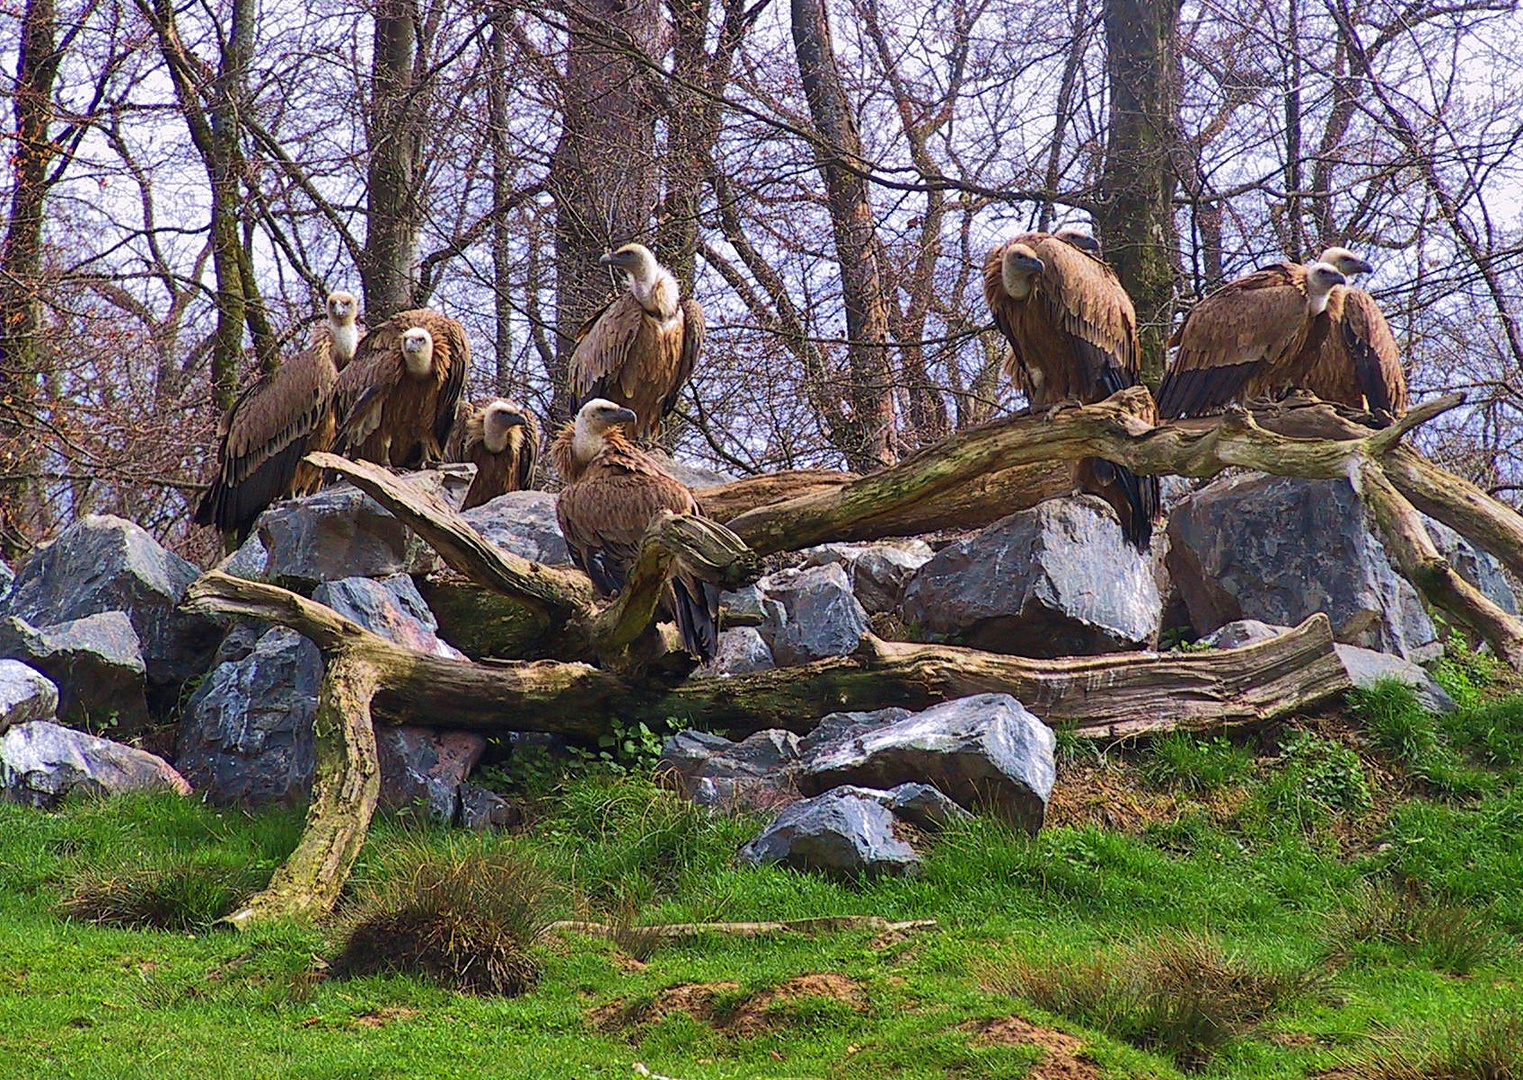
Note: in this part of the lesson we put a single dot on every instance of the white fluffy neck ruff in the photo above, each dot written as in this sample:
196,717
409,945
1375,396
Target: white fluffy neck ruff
1318,290
346,338
419,359
496,433
654,286
586,440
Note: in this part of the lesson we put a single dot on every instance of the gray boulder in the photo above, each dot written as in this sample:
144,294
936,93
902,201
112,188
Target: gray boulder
1058,579
96,663
812,614
879,572
1474,565
246,736
483,810
741,650
25,695
523,522
42,762
103,563
985,752
710,770
7,579
840,833
423,769
839,727
391,607
743,607
1279,549
340,532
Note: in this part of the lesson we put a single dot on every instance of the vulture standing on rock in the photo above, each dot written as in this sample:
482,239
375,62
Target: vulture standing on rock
275,422
501,438
1354,361
613,490
396,402
1072,334
639,351
1244,340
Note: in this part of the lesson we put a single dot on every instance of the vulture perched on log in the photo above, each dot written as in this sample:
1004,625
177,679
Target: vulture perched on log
1072,334
397,401
639,350
501,438
1244,340
275,422
1354,361
613,490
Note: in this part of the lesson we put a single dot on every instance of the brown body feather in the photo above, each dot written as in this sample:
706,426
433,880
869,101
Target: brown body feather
604,509
264,436
497,472
1239,342
638,357
1355,361
389,416
1074,338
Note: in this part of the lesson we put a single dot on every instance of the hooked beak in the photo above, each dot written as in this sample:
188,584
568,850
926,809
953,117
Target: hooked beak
622,416
513,419
1031,264
613,258
1363,267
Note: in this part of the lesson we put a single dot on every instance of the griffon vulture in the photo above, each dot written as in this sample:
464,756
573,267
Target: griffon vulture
613,490
639,351
1244,339
274,423
1355,362
1072,334
501,438
396,402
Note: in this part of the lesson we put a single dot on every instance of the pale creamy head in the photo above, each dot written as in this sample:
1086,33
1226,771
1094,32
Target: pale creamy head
418,351
1321,277
1016,269
501,426
592,421
1346,261
653,285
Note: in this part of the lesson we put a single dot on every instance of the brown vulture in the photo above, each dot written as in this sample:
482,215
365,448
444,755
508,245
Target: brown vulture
396,402
613,490
501,438
1072,334
639,350
1243,340
276,421
1354,361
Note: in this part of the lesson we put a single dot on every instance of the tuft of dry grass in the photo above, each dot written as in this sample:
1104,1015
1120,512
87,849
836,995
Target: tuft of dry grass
1180,994
463,919
180,894
1490,1048
1452,937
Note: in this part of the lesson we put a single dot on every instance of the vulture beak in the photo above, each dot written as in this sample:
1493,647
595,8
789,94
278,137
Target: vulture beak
513,419
1031,264
1363,267
622,416
614,258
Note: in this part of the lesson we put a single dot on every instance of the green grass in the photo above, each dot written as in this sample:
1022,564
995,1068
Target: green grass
1304,913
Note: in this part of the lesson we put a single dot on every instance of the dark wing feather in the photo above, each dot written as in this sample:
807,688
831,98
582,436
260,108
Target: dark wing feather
697,613
693,328
363,385
603,349
457,365
528,452
1376,357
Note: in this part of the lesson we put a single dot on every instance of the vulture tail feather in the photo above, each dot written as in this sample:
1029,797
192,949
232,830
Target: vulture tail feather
697,611
233,508
1372,383
1192,393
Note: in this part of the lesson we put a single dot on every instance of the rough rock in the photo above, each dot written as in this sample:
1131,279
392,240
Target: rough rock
713,771
523,522
812,614
246,736
103,563
919,804
340,532
839,833
42,762
1474,565
1058,579
740,651
879,572
7,579
25,695
483,810
984,752
1278,549
1365,667
95,661
839,726
390,607
743,607
423,769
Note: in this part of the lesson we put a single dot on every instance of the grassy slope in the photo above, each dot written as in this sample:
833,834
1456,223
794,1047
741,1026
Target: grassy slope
1280,861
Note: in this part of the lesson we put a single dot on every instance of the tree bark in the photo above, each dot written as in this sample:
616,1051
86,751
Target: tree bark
393,130
856,240
1136,221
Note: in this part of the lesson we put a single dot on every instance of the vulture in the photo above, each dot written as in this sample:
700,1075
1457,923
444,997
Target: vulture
501,438
396,401
1355,360
639,350
1245,339
1072,336
613,490
275,422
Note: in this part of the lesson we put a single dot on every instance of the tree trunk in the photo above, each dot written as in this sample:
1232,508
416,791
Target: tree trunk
393,128
1137,206
502,241
603,175
856,240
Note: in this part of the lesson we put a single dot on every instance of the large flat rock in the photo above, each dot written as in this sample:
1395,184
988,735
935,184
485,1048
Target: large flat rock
41,763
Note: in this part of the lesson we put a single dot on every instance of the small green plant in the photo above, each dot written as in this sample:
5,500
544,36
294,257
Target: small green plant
182,893
1464,672
462,918
1398,724
1195,763
1318,774
629,747
1073,748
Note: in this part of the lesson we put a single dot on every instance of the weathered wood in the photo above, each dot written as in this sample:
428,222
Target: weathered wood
1459,504
725,501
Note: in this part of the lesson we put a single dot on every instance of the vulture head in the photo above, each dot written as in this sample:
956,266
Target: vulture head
1346,261
652,284
1320,279
498,422
1078,238
1019,270
418,352
593,422
343,308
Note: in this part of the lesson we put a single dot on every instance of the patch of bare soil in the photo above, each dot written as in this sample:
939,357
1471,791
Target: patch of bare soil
379,1018
1062,1055
753,1017
695,999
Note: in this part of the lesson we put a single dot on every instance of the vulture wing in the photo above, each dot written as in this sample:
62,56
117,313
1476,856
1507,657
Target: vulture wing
528,453
452,363
601,363
693,328
362,387
1244,330
1376,358
271,426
